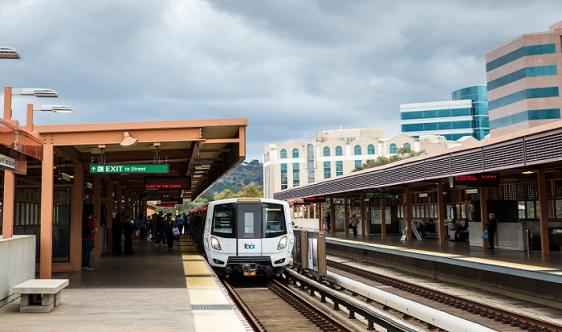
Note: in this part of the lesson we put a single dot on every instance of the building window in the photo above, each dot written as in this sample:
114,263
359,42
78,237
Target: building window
339,168
522,73
326,151
327,170
523,94
393,149
284,178
310,163
339,151
370,149
358,164
552,113
296,175
295,153
283,154
357,150
407,147
519,53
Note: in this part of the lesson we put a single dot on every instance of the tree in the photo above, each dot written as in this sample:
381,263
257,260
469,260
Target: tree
251,190
402,154
226,193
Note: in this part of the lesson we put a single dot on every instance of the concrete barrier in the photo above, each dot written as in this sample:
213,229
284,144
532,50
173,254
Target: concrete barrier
17,264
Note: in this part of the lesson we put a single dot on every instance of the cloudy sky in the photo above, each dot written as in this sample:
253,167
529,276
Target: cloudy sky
292,67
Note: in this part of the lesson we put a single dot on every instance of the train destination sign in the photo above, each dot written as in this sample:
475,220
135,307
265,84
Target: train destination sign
167,183
129,168
161,195
477,180
317,199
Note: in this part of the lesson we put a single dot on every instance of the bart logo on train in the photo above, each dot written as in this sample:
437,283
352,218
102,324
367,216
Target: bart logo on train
249,246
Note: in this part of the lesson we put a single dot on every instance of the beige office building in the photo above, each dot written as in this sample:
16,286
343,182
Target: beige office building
524,81
333,153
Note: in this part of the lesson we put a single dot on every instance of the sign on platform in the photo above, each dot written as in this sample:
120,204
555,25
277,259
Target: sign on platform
476,180
130,168
167,183
8,163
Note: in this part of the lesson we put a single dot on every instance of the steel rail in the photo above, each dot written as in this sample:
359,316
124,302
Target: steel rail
509,318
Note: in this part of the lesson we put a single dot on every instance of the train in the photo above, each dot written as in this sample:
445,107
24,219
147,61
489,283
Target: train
246,236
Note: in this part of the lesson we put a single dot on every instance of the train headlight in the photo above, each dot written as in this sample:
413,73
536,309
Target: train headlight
215,244
282,243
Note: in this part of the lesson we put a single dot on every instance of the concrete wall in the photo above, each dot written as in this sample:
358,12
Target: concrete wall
17,263
306,223
510,235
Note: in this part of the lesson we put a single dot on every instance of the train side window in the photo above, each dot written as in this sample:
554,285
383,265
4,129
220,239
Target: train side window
224,220
274,219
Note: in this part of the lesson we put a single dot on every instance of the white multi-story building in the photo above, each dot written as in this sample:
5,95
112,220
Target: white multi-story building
333,153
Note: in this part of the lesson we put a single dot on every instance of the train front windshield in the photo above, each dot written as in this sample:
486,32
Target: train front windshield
249,220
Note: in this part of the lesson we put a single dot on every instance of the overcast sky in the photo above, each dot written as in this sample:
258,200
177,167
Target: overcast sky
292,67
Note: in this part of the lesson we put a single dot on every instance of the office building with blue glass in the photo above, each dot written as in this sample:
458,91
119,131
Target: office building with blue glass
524,81
465,115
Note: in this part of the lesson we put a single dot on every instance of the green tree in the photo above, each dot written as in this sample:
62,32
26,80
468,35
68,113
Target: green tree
402,154
226,193
251,190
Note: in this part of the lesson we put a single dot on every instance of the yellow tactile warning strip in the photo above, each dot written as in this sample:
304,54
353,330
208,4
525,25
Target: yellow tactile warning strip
212,309
493,262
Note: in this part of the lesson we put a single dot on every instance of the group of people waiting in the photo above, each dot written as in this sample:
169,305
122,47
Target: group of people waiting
164,229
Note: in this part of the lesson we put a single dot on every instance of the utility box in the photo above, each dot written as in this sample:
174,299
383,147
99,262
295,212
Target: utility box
309,253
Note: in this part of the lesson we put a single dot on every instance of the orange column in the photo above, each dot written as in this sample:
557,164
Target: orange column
97,212
76,206
8,204
46,244
408,214
543,202
383,218
109,216
8,103
441,220
483,191
29,118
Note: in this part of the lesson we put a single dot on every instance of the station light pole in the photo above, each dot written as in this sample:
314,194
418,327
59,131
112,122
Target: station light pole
37,92
44,108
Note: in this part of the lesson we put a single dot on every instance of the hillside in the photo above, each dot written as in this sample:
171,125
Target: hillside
244,174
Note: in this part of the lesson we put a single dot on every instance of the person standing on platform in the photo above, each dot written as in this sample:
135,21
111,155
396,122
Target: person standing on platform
353,223
88,237
179,222
116,235
142,226
492,227
186,222
168,226
128,230
328,222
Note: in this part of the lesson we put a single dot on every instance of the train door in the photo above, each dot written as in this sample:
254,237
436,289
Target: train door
249,228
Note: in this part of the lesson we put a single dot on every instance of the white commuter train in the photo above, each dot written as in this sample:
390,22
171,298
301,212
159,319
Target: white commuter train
248,236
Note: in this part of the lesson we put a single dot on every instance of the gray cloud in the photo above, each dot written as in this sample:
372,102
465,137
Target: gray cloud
292,67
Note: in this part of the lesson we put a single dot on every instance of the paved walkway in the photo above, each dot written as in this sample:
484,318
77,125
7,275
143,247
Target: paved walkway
144,292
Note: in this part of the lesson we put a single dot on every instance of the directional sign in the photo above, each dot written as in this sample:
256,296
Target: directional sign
167,183
130,168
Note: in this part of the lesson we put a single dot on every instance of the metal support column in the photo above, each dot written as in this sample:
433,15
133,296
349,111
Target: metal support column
441,220
483,191
363,216
332,216
408,214
76,207
543,203
97,214
383,218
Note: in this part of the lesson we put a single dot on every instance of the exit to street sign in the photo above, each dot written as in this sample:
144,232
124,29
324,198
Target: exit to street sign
130,168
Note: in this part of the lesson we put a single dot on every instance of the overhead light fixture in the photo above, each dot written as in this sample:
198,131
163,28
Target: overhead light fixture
8,53
47,93
128,140
56,108
528,172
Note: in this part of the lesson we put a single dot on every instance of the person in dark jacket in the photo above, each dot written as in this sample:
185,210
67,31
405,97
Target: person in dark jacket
128,230
492,228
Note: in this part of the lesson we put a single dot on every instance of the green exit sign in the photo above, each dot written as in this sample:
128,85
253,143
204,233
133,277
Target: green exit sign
129,168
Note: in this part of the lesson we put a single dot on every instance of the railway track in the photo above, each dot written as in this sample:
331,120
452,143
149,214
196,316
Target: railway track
272,306
486,315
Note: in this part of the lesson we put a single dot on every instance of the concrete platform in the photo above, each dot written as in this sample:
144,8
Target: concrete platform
148,291
527,275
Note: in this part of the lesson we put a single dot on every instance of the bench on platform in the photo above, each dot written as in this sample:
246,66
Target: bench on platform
40,295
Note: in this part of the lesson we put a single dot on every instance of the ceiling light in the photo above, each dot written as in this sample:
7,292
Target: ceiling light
528,172
128,140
